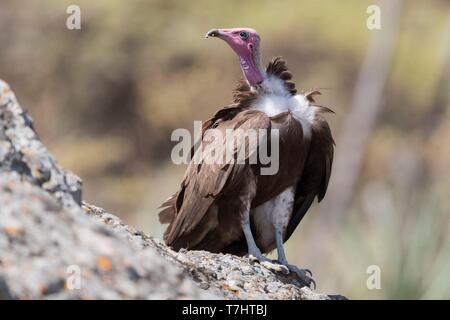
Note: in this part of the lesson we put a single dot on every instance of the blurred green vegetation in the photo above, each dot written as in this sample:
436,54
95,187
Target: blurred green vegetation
105,100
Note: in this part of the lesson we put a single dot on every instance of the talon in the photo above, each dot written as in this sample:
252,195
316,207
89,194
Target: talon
260,259
305,275
284,269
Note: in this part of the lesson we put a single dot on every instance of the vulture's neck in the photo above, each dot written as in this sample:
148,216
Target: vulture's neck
252,69
258,79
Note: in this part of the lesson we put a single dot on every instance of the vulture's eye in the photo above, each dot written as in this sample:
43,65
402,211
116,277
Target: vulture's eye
243,35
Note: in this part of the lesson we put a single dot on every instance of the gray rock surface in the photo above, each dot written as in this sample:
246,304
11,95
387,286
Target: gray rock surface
45,247
54,246
21,151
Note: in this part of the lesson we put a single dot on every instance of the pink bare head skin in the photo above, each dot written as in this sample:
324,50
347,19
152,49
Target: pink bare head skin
245,42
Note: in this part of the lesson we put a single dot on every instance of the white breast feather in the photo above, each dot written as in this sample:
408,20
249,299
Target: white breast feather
277,100
273,213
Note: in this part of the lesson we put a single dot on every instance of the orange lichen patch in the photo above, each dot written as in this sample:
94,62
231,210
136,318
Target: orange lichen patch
5,91
103,263
28,152
232,288
88,210
13,231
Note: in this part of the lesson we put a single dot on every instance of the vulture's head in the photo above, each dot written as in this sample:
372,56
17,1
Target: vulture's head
245,42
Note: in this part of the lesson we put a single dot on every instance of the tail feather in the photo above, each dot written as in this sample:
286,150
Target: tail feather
168,209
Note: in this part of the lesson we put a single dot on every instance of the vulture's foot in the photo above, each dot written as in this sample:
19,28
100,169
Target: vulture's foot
304,275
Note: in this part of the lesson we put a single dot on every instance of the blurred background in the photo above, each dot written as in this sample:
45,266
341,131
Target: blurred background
106,98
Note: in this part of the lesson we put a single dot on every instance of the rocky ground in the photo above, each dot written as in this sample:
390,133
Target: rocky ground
55,246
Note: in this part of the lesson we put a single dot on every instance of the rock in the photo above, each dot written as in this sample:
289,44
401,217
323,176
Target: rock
44,245
54,246
21,151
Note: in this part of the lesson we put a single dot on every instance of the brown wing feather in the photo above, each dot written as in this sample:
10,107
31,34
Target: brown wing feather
204,183
173,203
316,174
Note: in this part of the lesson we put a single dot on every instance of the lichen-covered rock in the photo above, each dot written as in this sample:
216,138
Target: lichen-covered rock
54,246
21,151
48,251
224,275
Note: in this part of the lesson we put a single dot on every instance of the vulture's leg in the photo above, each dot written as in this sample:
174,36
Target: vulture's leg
303,274
254,253
253,250
280,247
246,197
248,192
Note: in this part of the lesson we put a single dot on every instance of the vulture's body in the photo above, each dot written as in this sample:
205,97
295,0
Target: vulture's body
232,207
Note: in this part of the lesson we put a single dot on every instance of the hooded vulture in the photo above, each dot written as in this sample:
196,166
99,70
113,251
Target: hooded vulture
232,206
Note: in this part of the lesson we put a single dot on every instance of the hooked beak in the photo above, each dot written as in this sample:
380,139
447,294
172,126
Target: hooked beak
212,33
